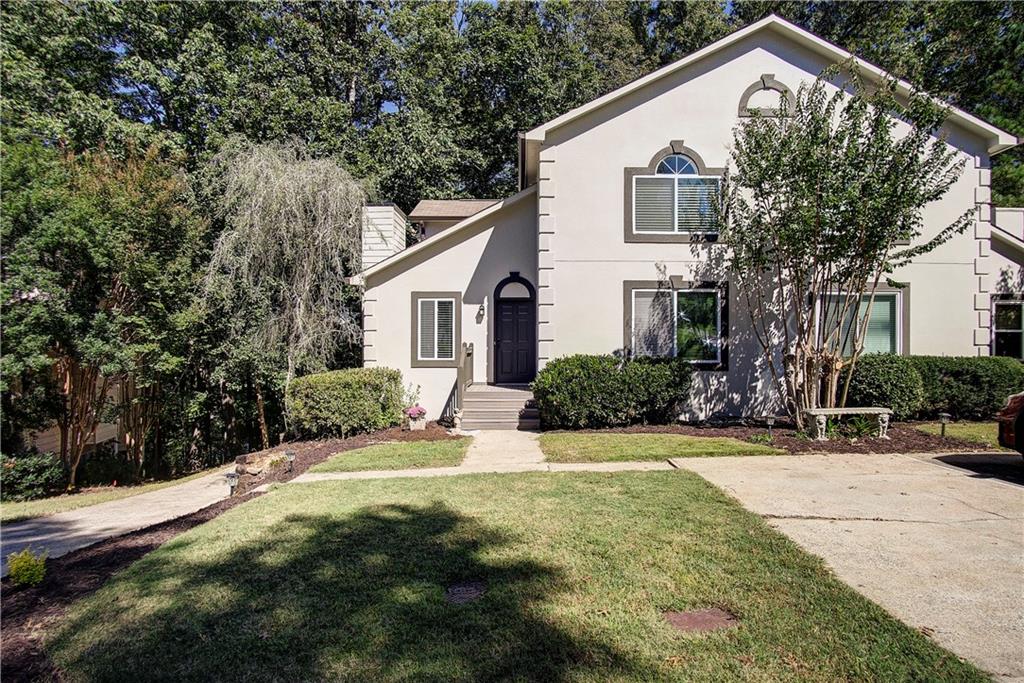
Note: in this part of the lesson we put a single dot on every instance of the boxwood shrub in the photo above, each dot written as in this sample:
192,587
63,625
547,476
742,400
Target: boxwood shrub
968,388
345,402
888,381
593,391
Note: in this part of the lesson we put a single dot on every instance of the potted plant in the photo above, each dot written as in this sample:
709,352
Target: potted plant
417,415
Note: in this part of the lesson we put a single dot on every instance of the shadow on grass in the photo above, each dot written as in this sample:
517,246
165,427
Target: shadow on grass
316,597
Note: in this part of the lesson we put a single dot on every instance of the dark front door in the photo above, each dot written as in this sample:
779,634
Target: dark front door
515,346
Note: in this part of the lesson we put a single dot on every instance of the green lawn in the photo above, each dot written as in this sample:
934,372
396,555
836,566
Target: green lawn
345,581
16,511
570,447
398,455
982,433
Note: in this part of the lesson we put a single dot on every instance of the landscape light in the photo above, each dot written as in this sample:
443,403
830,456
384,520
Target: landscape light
944,420
232,478
291,459
769,420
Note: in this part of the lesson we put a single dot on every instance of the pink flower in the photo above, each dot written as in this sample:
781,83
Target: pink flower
415,412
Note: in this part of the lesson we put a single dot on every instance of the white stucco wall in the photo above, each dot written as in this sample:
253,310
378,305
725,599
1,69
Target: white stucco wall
471,260
584,259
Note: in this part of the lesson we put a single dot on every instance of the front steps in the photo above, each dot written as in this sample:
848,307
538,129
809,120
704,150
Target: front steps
494,406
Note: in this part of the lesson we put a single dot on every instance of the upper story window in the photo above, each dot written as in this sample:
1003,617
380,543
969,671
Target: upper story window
675,199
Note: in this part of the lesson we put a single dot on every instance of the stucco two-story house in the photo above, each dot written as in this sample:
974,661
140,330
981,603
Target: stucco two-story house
613,194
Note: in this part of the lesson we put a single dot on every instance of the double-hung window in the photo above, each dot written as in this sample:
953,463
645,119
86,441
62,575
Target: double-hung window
676,199
883,331
682,323
436,335
1008,329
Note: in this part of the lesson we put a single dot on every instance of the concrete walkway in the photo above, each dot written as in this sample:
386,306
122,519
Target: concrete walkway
940,548
492,451
61,533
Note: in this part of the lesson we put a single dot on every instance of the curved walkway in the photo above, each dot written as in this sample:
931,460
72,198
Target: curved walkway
66,531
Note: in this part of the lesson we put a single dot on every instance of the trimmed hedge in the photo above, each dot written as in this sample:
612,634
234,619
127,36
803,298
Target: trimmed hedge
589,392
968,388
346,402
888,381
29,476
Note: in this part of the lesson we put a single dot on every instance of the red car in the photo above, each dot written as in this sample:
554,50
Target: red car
1011,423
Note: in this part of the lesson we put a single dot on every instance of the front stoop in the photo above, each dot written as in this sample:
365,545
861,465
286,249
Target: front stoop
499,406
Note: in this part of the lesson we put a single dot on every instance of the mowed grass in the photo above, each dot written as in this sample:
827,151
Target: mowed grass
982,433
398,455
345,581
574,447
29,509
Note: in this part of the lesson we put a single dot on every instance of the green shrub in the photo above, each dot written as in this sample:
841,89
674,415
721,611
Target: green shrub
345,402
26,568
28,476
968,388
586,392
888,381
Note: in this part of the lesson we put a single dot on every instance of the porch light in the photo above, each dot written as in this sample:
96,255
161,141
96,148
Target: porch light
944,420
291,459
232,478
480,311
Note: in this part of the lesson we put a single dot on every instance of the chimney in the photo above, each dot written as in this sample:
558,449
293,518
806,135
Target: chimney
383,233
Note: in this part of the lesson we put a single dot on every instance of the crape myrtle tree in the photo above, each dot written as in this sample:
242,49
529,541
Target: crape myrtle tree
98,263
277,274
824,202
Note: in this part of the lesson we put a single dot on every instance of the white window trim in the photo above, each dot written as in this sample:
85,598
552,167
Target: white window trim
419,330
675,204
898,313
675,311
992,341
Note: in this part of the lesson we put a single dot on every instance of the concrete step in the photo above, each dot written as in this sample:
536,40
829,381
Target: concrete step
500,413
500,424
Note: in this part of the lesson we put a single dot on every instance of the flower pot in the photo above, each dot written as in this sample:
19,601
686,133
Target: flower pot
417,423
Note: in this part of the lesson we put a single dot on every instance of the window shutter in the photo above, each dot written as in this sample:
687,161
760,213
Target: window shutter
880,336
445,330
653,205
697,198
653,323
427,345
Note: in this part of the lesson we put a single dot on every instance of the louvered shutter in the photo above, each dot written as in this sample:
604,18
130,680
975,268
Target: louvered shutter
653,206
428,346
445,329
652,323
697,198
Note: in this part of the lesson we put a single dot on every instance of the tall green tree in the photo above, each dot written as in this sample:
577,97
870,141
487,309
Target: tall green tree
99,261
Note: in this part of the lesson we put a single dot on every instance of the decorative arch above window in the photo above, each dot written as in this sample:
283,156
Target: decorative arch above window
671,199
766,82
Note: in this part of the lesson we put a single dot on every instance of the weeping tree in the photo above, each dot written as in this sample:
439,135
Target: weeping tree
276,278
824,203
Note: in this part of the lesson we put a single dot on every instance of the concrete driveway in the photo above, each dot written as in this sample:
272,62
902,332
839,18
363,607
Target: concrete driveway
939,547
61,533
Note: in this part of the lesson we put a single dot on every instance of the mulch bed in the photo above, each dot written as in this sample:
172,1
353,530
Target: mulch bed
903,438
28,613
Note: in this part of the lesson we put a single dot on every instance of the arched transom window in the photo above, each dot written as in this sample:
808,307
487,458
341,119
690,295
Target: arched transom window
677,164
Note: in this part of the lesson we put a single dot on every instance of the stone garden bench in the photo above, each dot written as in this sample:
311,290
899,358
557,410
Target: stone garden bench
821,416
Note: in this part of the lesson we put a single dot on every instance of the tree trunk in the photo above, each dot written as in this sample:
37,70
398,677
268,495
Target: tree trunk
264,434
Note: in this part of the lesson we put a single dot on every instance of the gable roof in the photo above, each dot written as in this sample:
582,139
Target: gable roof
998,140
448,209
441,236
